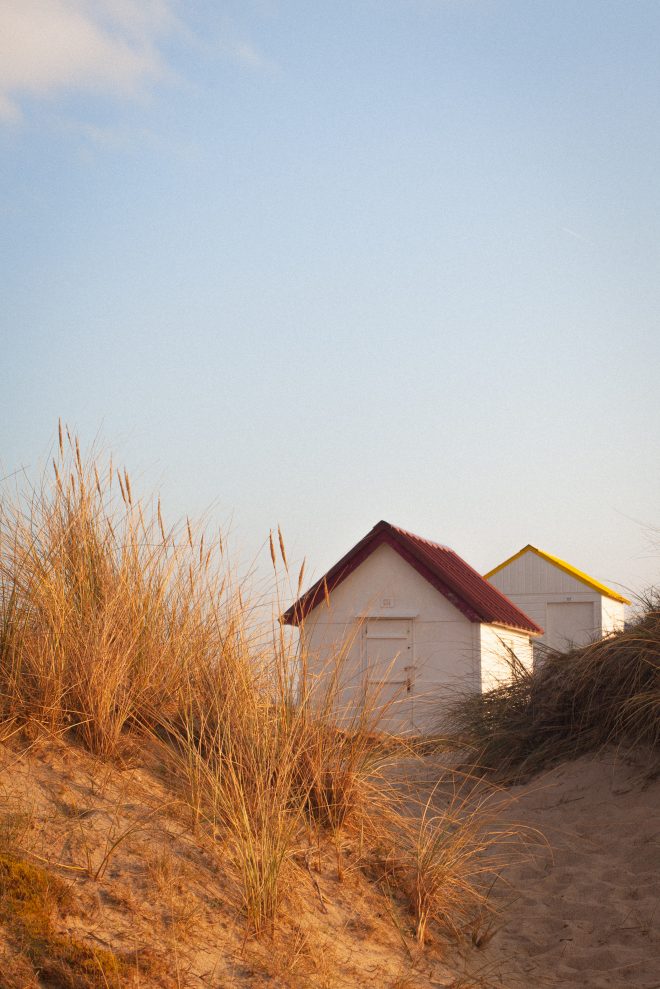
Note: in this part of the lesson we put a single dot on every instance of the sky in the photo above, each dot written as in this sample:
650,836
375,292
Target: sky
318,265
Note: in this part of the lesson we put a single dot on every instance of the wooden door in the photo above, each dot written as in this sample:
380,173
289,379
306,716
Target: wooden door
388,663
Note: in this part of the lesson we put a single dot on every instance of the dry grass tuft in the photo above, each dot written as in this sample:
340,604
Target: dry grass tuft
572,703
453,859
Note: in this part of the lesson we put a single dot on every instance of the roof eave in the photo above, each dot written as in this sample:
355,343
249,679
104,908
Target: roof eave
533,632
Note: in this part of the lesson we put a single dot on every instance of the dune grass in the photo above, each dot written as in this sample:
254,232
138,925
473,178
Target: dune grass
571,703
115,629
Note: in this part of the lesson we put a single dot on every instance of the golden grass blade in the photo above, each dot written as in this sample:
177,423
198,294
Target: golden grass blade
282,550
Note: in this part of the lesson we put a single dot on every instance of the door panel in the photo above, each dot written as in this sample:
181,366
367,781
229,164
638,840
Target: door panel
389,670
569,623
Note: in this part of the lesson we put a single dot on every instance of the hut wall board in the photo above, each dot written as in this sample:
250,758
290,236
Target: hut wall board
497,645
613,616
531,574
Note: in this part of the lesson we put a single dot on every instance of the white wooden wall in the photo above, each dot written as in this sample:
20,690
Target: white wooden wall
613,615
497,646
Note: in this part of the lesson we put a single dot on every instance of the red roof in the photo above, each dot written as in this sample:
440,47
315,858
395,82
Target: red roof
466,589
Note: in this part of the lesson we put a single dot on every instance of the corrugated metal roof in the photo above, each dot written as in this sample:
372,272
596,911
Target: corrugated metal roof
460,583
566,567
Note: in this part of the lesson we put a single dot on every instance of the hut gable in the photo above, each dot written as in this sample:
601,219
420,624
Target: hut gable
440,566
523,568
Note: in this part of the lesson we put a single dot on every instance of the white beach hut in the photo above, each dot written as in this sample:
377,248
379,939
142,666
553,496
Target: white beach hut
571,606
419,622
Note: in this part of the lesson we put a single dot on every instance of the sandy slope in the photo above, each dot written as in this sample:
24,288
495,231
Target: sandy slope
149,889
585,912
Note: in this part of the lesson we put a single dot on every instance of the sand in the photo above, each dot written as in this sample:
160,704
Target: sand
584,912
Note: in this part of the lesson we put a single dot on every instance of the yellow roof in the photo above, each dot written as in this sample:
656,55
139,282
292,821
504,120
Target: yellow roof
566,567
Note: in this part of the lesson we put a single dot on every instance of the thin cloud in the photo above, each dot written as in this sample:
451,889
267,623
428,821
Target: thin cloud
248,55
108,46
578,236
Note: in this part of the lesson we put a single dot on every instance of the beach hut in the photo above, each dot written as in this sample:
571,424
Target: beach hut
416,623
571,606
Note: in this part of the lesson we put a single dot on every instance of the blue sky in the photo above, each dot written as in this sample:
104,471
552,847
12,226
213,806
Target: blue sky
323,264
